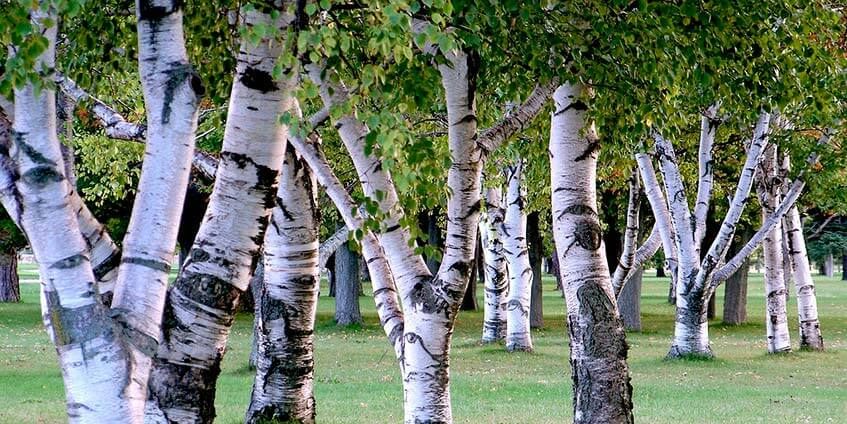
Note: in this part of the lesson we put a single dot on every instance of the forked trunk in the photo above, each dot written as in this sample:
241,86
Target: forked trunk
283,390
518,337
598,348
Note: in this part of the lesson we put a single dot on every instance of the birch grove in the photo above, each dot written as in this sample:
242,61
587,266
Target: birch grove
408,89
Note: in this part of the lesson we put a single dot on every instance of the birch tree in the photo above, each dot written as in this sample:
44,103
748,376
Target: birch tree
768,189
518,337
203,300
496,272
283,388
116,345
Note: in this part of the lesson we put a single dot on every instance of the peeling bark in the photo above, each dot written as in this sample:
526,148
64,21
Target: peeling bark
518,336
598,348
496,273
768,185
204,298
283,390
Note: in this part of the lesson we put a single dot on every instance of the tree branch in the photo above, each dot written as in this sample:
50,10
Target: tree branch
491,138
708,127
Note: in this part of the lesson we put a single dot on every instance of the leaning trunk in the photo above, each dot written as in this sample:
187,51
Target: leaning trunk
807,305
10,290
518,337
598,348
287,301
204,299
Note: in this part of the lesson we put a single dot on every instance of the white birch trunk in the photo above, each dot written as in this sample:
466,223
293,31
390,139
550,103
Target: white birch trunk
627,259
768,187
171,92
93,353
203,300
656,198
695,276
283,388
807,305
376,181
496,273
104,253
598,348
518,337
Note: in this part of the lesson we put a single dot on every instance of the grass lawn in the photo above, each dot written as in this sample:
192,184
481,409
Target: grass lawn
358,380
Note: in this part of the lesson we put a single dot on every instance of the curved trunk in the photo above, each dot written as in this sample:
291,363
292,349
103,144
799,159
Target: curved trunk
202,302
518,336
496,273
10,290
598,348
93,354
768,185
807,305
287,301
347,283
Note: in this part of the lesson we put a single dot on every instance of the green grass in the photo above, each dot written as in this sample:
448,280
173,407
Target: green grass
358,381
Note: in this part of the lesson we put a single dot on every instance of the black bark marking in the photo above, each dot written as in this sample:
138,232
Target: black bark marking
259,80
209,290
169,383
149,11
588,235
199,255
143,342
602,389
107,265
32,153
266,177
158,265
69,262
40,176
77,325
178,74
593,147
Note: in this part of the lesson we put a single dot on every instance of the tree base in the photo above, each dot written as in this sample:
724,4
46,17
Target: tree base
519,348
677,353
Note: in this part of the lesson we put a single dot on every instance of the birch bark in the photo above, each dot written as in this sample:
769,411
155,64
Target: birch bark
776,318
518,337
807,306
92,350
283,388
203,300
598,348
496,272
